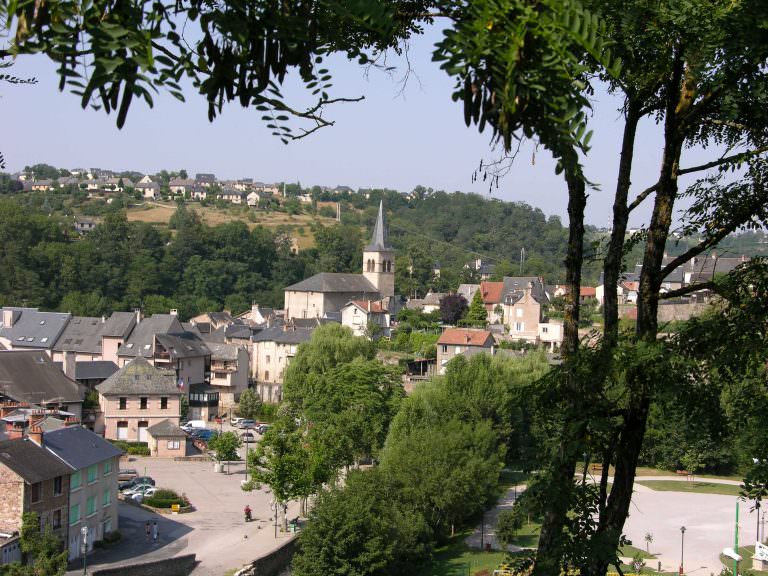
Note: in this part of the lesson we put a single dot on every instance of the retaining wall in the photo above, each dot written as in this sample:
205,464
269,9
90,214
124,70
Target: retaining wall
273,563
178,566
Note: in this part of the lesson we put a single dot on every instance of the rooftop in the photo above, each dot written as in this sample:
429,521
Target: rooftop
335,282
166,428
79,447
31,376
140,377
30,328
30,461
466,337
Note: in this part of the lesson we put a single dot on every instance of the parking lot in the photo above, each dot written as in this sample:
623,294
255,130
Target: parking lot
216,531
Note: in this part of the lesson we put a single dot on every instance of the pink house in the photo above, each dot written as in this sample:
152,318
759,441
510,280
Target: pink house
136,397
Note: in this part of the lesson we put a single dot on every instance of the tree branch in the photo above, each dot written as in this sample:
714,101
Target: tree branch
698,249
642,196
686,290
724,160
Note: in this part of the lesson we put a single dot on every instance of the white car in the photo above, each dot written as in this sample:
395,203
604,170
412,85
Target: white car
142,489
235,420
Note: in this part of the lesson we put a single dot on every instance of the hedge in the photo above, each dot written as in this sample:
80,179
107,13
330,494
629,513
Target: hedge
133,448
164,498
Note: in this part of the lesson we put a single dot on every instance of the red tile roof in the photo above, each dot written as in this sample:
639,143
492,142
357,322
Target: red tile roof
465,337
492,292
587,291
369,305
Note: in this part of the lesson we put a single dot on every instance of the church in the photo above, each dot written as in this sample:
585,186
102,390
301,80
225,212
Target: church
327,293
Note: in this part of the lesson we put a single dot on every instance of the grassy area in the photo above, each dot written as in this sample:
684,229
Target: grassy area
746,564
692,487
629,551
456,559
645,471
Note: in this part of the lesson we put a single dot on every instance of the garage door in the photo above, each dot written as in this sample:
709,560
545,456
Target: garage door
122,430
143,431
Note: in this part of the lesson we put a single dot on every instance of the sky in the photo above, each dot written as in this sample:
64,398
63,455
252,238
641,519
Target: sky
399,136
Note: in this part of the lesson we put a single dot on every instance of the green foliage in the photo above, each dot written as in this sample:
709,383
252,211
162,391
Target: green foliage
164,498
133,448
91,399
362,530
249,404
42,552
453,307
184,407
225,445
477,315
508,523
420,344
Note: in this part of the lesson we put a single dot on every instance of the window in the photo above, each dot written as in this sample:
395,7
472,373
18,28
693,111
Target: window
163,403
106,499
143,403
445,348
173,445
123,403
519,326
269,359
36,492
93,472
74,514
74,481
545,329
266,375
519,312
91,505
57,483
56,519
107,467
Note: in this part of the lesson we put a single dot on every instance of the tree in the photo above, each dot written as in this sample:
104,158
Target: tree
362,529
42,552
453,307
184,407
225,445
648,542
249,404
508,524
477,315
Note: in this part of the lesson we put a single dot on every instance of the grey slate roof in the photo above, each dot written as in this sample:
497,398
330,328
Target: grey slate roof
142,337
32,328
140,377
279,335
82,334
241,331
222,351
183,345
380,238
166,428
515,286
30,376
30,461
119,325
335,282
79,447
96,370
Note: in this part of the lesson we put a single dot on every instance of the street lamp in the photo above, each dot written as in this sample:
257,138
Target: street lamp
682,548
84,547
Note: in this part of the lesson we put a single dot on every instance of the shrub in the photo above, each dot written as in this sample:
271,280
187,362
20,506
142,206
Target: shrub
165,498
133,448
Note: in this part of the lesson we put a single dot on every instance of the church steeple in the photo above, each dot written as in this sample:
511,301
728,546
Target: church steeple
379,258
380,238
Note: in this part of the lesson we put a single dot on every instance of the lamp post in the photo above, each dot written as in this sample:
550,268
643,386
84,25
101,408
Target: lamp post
84,547
682,548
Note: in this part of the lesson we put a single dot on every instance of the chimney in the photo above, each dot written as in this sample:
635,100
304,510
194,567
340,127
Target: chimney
103,319
69,364
35,434
7,318
174,312
139,315
467,337
254,308
6,408
71,421
35,417
369,305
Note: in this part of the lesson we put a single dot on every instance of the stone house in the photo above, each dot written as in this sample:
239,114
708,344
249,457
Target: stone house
93,484
522,314
230,368
273,349
455,341
492,294
357,314
136,397
31,480
167,440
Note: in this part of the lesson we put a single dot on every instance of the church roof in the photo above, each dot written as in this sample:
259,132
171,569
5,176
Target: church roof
380,238
335,282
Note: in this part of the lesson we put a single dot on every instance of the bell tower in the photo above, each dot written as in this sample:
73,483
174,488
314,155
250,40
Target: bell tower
379,258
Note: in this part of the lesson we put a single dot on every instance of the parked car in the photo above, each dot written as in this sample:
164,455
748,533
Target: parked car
246,423
139,480
205,435
138,489
139,496
262,428
247,437
127,474
235,420
192,425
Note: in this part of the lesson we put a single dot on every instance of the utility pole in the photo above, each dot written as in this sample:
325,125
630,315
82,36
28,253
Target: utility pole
522,259
736,543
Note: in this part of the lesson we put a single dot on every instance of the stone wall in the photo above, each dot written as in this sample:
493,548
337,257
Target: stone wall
11,500
271,564
178,566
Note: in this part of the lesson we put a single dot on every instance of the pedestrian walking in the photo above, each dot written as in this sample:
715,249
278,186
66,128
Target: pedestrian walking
155,531
148,530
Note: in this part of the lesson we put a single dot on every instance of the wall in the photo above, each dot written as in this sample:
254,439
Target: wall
271,564
11,500
178,566
110,406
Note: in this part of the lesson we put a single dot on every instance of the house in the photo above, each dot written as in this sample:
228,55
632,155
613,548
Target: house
43,185
455,341
230,369
84,225
252,199
198,192
492,294
90,339
587,294
90,374
31,480
116,331
149,190
330,292
205,179
31,377
468,291
17,419
522,311
28,328
136,397
214,319
551,333
180,185
145,180
358,314
431,302
93,486
257,315
167,440
230,194
273,349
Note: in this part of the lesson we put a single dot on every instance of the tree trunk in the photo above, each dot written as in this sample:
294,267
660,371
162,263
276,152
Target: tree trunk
563,465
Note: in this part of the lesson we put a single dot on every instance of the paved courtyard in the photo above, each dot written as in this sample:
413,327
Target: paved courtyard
216,531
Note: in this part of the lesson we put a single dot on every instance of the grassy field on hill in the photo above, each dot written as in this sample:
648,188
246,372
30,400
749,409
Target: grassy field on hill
299,225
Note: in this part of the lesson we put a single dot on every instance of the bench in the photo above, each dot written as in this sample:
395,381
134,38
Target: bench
682,472
596,468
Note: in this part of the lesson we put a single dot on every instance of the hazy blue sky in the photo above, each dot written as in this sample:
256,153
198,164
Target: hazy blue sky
394,138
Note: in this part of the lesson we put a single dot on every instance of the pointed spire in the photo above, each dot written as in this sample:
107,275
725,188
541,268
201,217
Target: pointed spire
380,238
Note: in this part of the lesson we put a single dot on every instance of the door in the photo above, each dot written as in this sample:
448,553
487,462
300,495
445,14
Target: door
143,431
122,430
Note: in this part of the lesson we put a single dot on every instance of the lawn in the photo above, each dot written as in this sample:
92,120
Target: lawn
746,564
691,487
629,551
645,471
456,559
